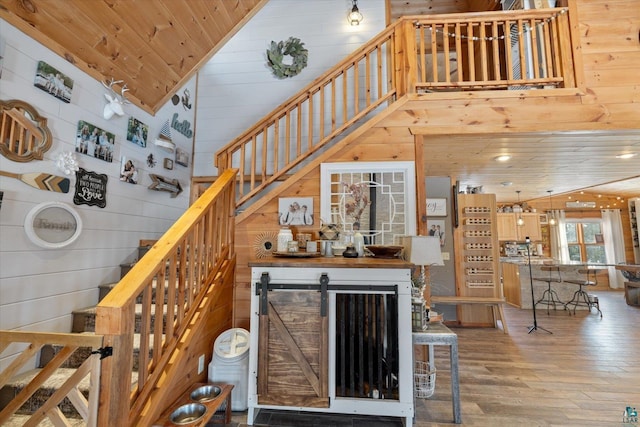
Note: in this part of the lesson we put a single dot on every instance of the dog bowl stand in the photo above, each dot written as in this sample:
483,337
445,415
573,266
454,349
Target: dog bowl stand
212,407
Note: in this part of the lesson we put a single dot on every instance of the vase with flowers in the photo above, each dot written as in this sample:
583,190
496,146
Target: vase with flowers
355,205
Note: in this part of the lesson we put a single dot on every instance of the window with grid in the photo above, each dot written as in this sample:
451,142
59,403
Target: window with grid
585,241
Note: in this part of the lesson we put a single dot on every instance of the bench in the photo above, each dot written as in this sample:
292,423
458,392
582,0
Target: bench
494,303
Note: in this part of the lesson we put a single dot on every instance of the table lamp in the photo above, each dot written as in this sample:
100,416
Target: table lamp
422,250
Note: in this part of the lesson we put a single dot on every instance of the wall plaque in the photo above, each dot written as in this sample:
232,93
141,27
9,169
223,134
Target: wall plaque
91,189
53,225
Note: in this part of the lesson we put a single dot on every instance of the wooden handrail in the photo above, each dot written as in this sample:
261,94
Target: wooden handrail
189,258
417,54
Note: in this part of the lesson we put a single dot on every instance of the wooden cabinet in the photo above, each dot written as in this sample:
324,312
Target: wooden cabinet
331,335
477,256
511,283
508,228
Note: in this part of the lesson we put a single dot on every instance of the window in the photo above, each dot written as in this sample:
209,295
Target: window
585,241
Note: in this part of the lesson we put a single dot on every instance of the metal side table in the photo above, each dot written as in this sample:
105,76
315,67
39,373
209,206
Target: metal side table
439,334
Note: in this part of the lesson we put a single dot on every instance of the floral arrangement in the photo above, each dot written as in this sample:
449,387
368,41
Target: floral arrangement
360,200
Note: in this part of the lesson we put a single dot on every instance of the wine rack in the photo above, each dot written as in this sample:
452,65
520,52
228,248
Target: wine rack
477,255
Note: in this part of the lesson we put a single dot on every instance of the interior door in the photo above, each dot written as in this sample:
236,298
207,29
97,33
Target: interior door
293,354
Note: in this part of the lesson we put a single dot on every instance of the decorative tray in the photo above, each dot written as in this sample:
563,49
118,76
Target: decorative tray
298,254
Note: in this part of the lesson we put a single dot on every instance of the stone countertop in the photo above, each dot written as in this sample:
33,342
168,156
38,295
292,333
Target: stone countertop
535,260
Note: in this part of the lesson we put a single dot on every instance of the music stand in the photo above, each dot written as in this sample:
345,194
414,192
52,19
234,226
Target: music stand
535,326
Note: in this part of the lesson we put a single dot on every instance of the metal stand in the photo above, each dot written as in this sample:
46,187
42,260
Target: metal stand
535,326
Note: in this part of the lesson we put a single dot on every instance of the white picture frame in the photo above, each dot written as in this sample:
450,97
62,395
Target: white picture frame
53,225
295,211
436,207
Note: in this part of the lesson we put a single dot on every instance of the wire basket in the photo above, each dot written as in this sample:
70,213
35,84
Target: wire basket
424,379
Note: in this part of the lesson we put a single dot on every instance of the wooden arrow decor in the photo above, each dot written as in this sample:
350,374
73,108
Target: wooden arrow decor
161,183
42,181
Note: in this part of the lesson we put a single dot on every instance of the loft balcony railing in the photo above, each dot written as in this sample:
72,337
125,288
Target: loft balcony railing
506,50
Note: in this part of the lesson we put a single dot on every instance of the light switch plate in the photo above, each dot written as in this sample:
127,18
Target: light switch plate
445,256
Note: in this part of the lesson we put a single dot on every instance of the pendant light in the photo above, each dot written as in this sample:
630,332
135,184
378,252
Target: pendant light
519,221
552,220
354,17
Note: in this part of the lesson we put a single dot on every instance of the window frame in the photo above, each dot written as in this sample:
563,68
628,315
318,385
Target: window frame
581,244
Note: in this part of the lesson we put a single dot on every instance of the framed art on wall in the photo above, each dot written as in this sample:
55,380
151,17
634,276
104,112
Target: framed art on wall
53,82
182,157
295,211
137,132
95,142
436,207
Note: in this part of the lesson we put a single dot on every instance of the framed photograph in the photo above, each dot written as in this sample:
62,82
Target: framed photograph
295,211
95,142
53,82
544,219
53,225
137,132
436,228
129,171
168,163
182,157
436,207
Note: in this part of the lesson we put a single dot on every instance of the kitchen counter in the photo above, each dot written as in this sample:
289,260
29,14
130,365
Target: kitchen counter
517,283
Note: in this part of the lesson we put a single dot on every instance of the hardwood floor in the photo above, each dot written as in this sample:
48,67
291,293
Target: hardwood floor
583,374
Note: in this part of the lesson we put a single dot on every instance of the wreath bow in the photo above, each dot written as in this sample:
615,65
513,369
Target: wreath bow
292,47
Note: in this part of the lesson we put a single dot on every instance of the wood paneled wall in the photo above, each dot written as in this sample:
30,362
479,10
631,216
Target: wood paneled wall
609,98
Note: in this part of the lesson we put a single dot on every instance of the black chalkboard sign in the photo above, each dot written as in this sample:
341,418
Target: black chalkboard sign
91,189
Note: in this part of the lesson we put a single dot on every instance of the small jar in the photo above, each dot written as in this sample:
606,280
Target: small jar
284,237
292,246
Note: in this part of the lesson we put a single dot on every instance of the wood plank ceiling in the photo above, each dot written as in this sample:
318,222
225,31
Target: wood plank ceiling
155,46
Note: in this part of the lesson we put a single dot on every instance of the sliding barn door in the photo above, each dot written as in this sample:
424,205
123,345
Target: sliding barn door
293,355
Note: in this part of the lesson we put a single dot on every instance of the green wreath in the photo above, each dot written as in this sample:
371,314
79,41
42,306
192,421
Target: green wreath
292,47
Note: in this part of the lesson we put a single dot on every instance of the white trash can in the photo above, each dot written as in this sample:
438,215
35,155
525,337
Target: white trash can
230,365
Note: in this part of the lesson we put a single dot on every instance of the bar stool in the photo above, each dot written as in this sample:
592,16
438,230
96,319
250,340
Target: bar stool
549,296
581,297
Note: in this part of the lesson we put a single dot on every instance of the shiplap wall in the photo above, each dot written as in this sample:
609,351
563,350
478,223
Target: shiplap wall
39,288
236,88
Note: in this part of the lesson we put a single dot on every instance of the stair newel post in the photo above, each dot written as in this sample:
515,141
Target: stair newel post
405,62
117,326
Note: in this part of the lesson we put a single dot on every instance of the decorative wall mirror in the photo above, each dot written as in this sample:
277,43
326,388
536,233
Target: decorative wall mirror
376,198
24,135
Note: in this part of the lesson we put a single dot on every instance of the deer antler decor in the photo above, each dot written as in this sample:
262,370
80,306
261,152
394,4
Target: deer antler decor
116,101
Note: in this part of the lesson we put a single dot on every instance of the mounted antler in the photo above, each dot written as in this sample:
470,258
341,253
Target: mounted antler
116,101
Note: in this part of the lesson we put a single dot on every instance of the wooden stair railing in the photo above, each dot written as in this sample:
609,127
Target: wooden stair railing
304,123
194,255
87,408
416,54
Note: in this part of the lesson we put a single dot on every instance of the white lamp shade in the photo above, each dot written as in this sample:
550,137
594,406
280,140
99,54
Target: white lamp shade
422,250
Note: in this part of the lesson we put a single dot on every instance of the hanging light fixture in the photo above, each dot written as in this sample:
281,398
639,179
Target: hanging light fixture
552,220
519,221
355,17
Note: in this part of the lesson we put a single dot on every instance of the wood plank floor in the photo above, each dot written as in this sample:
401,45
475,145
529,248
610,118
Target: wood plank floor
583,374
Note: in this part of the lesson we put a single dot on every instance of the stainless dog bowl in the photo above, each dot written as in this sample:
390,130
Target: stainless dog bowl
205,393
188,413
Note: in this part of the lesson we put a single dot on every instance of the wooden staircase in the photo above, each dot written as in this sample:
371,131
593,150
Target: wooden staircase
83,322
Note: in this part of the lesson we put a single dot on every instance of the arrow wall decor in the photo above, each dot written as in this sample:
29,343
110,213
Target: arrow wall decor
161,183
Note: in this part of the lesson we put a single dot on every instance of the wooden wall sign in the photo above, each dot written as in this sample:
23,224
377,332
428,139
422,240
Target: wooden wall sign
91,189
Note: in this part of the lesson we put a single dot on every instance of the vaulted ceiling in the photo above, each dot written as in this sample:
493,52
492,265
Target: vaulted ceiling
155,46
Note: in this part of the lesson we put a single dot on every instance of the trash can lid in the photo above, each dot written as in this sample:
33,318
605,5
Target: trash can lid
232,343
